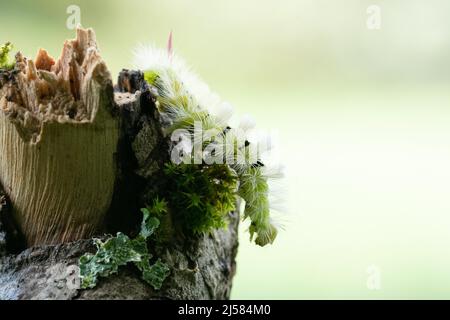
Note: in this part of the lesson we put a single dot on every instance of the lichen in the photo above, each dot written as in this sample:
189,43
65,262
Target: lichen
120,250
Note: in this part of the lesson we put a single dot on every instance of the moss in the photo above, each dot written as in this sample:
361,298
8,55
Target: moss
201,196
5,61
159,209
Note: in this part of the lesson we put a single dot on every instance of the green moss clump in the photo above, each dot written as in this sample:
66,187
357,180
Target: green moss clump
159,209
201,196
5,61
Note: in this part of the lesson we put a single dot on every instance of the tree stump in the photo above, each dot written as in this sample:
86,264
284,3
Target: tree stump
115,152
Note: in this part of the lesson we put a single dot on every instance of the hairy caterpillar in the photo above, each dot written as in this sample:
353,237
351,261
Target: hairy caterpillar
186,100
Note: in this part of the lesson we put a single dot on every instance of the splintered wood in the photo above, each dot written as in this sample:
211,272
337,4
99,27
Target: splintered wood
58,138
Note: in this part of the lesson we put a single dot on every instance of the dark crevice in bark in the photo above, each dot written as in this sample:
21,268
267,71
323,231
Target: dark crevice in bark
133,188
11,240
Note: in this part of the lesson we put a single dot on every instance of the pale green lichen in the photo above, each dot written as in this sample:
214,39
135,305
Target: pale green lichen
120,250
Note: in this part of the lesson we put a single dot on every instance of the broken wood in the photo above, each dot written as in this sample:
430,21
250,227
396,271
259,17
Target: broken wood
58,138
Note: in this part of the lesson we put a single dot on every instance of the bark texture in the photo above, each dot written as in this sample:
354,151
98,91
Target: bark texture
202,267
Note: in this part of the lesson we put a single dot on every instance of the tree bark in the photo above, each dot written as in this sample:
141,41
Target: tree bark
202,267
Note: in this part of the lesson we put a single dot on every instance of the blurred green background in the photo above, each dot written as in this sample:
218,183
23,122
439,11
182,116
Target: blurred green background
362,117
